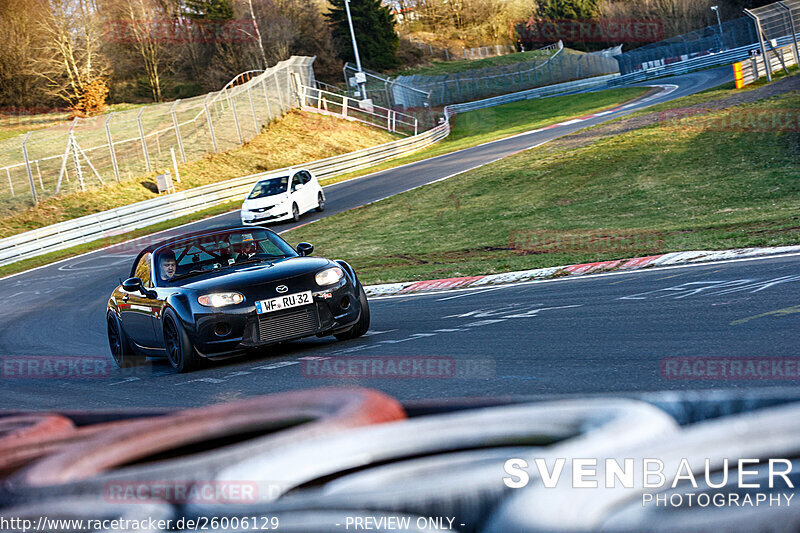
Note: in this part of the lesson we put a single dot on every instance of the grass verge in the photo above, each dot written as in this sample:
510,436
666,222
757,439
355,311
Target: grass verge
470,129
484,125
653,190
295,137
19,122
438,67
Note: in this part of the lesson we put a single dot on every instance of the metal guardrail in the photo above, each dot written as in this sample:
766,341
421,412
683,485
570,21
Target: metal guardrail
538,92
727,57
142,214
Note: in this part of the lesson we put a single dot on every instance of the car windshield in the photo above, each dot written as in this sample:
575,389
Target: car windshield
269,187
217,251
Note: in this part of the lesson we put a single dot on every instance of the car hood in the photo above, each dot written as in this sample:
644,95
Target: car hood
267,201
240,278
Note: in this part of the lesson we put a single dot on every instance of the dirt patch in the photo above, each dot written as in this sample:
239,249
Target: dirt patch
586,137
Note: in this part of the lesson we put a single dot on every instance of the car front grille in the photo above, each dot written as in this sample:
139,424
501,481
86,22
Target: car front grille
283,325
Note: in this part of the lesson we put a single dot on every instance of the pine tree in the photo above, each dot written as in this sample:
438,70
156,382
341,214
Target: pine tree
209,9
570,9
374,24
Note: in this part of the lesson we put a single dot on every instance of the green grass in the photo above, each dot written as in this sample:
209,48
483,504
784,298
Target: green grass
484,125
297,137
14,125
470,129
438,67
677,188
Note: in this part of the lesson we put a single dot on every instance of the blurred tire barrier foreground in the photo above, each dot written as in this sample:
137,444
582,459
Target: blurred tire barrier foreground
317,460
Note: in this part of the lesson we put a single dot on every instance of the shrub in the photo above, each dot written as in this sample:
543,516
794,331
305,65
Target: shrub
92,99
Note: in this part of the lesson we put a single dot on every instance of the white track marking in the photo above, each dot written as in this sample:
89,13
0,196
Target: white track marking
469,294
273,366
126,380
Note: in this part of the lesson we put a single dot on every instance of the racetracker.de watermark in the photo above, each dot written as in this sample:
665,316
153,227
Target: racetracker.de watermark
183,492
396,367
580,241
738,120
18,116
55,367
169,31
603,30
730,368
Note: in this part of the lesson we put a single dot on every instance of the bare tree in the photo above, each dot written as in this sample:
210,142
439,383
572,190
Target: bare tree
70,57
676,16
147,23
257,33
19,85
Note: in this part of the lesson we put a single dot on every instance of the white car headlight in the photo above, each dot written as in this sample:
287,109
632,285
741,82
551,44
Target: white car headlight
220,299
329,276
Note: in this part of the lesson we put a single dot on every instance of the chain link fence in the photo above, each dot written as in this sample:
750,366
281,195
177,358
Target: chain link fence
774,23
455,54
91,152
712,39
482,83
420,94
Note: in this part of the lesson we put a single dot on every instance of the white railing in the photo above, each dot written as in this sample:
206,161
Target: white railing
341,105
754,68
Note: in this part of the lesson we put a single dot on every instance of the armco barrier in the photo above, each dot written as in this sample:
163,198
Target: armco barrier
142,214
727,57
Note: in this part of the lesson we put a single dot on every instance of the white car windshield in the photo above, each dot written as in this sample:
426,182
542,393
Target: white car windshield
269,187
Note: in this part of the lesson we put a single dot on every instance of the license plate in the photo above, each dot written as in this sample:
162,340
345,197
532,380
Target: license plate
297,299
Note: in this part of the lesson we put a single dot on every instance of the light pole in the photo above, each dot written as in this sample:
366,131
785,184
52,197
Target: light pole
360,78
715,9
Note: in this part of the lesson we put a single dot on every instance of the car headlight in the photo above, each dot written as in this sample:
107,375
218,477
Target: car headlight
220,299
329,276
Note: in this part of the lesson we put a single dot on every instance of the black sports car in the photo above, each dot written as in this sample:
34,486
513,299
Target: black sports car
217,293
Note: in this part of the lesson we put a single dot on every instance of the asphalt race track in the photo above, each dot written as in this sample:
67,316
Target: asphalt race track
603,333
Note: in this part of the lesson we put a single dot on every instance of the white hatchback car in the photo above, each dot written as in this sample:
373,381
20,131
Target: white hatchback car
282,196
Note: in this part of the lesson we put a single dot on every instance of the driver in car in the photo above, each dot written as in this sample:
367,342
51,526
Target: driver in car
167,265
249,249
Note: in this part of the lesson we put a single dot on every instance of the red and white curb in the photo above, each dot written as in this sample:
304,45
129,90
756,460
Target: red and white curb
637,263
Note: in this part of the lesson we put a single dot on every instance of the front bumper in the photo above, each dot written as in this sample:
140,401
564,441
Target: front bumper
275,215
236,329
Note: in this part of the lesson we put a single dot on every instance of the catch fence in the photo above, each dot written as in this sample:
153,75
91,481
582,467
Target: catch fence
91,152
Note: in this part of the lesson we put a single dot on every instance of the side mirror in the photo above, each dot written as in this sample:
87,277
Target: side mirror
305,249
133,285
298,186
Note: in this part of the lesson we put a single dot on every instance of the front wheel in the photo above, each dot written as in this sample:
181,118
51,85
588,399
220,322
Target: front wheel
360,327
121,351
295,213
320,202
180,350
